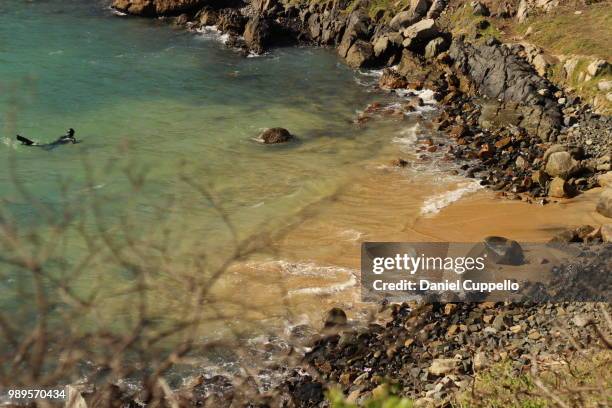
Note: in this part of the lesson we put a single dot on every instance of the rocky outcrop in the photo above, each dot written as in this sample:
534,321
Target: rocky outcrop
361,54
257,34
150,8
509,82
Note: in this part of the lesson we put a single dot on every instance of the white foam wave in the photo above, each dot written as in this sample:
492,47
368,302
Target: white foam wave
408,136
376,73
117,12
325,290
351,235
212,32
434,204
304,268
9,142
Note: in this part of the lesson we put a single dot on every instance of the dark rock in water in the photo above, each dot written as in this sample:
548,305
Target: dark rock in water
361,54
504,251
335,317
391,79
152,8
256,34
275,136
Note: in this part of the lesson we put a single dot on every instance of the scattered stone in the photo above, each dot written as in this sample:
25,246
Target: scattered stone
559,188
443,366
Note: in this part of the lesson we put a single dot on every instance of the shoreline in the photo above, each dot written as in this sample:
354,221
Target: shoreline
528,179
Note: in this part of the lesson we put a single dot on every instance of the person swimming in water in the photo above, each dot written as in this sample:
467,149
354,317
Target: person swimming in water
67,138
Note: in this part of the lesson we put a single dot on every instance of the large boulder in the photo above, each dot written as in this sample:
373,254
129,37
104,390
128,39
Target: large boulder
151,8
361,54
275,136
256,34
604,205
560,188
357,27
503,251
418,35
402,20
560,164
387,48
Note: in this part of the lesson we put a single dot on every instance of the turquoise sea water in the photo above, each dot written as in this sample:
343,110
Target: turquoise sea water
140,91
152,102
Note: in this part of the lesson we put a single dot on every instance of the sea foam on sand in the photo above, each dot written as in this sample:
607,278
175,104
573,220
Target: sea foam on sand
434,204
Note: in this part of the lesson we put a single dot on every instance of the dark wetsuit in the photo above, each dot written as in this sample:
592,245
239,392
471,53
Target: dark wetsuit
65,139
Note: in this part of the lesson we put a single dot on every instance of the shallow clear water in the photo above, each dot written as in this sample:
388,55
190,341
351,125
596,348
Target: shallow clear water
169,96
148,99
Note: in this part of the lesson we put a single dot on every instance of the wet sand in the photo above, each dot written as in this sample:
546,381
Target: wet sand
316,265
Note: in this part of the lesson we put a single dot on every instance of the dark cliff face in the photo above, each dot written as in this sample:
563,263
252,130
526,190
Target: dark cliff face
510,82
154,8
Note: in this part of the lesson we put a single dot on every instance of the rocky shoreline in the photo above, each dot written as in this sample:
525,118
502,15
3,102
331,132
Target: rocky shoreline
506,125
428,352
503,119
